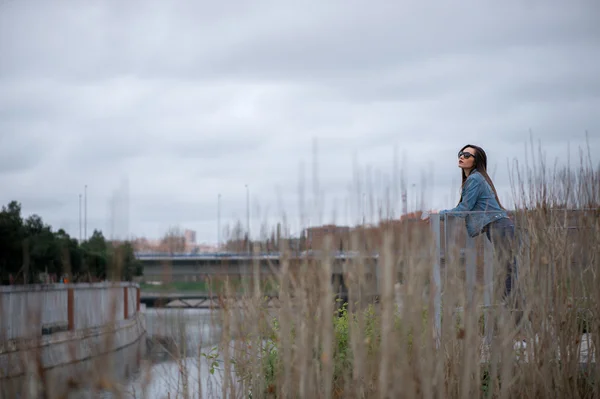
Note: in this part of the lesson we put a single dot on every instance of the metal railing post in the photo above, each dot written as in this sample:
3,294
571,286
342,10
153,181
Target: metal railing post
138,300
125,303
445,250
488,289
71,308
470,265
436,283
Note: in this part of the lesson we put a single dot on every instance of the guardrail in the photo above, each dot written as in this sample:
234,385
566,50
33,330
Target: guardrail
446,239
470,260
31,311
449,229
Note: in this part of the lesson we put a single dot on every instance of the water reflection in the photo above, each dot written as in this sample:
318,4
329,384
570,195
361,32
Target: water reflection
178,360
80,380
189,328
172,360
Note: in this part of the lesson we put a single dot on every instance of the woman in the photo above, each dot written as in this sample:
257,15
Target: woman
480,206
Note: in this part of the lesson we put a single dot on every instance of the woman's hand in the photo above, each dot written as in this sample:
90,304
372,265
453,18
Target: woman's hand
427,214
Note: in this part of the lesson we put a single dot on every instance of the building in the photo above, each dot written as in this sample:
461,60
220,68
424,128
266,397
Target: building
190,237
144,245
316,237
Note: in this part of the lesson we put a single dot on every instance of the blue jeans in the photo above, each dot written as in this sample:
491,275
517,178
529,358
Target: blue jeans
501,234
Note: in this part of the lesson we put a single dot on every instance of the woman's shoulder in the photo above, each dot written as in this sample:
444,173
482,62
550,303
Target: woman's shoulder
475,176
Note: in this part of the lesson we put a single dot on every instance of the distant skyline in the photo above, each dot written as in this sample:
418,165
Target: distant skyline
162,106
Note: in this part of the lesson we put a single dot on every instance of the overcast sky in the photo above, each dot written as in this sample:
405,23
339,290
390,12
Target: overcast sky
189,99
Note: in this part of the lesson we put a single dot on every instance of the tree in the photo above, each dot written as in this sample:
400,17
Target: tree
30,250
278,238
173,241
42,249
128,265
95,256
302,243
71,255
237,238
11,241
272,243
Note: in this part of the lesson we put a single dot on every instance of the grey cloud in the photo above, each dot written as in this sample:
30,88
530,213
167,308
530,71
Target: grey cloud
273,41
217,147
192,99
19,157
42,204
21,153
363,40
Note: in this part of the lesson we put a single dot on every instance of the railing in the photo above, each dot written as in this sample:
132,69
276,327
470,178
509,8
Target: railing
454,245
446,239
30,311
450,250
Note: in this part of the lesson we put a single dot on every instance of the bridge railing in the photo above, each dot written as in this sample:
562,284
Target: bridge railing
30,311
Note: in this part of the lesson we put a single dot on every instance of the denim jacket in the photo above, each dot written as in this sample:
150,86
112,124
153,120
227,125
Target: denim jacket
478,205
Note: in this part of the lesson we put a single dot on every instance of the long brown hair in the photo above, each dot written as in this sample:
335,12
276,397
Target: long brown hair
481,166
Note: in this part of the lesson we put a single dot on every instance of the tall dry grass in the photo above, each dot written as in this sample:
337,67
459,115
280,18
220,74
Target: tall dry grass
546,347
382,343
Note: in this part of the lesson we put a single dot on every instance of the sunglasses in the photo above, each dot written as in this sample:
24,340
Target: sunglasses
465,154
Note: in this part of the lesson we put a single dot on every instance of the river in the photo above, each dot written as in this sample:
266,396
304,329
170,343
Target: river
176,358
187,340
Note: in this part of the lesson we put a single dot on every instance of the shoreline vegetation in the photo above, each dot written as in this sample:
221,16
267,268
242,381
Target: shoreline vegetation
311,345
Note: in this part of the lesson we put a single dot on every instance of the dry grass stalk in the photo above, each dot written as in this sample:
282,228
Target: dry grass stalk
389,351
309,345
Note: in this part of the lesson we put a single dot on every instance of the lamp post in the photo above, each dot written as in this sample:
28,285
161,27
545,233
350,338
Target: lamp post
219,222
85,212
80,227
414,187
248,217
364,209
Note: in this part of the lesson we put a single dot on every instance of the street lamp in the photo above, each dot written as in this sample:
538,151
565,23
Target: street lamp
80,226
248,217
364,208
414,187
85,213
219,222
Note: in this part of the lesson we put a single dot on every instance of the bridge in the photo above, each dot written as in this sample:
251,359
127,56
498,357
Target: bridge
197,300
197,267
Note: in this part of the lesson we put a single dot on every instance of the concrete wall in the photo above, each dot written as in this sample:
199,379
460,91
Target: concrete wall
71,377
61,324
24,313
28,311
